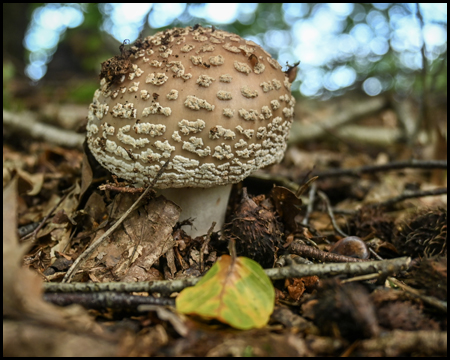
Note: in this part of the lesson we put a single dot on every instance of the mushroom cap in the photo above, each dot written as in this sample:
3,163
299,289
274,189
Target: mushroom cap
218,106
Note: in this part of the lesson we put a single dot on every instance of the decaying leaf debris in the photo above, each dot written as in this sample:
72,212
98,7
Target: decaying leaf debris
341,306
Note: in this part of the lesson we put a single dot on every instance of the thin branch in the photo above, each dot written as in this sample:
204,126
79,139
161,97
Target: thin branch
361,278
394,200
44,220
410,195
438,304
330,214
332,269
161,286
395,165
310,207
205,245
26,123
121,189
398,343
280,180
308,251
294,270
102,300
356,172
301,132
305,186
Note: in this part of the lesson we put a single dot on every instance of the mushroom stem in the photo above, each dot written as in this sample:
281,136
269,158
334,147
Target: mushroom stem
202,205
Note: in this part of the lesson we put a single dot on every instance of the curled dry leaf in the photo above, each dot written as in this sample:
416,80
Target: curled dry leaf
31,184
287,205
297,286
22,288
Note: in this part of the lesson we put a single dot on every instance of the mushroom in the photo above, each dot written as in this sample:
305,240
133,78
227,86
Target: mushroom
216,106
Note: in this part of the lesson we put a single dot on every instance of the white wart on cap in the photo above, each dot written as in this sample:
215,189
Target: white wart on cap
218,106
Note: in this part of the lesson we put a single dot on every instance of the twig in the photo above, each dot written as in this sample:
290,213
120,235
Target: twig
374,253
85,255
395,165
102,299
44,220
301,132
281,180
356,172
410,195
310,207
205,245
390,202
304,187
330,214
25,230
120,187
357,268
438,304
294,270
361,278
163,286
27,124
379,136
308,251
401,343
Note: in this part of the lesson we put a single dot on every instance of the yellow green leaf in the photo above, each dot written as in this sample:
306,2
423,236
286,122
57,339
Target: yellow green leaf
237,293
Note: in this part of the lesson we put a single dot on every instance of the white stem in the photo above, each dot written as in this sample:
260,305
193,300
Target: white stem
203,205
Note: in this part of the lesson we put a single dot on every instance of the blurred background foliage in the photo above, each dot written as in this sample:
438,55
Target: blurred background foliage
53,52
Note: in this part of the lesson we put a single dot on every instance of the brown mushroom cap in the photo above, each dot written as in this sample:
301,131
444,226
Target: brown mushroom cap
218,106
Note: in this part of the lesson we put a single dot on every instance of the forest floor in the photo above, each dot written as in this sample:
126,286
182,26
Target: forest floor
370,202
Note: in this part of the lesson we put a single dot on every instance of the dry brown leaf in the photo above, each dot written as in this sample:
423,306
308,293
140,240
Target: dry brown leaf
30,183
288,206
131,251
21,288
22,299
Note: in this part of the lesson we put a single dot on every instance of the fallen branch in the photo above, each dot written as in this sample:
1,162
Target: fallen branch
365,135
394,200
410,195
301,132
336,227
355,172
438,304
160,286
357,268
395,165
401,343
300,249
101,300
294,270
44,220
26,123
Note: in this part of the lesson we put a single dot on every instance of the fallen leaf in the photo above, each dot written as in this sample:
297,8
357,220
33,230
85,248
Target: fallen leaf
21,288
288,206
237,293
35,327
131,251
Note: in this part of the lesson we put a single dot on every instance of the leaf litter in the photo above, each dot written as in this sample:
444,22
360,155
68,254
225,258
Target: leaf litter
320,316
